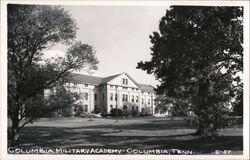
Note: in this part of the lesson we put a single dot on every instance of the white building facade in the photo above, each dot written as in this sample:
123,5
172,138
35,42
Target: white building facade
118,91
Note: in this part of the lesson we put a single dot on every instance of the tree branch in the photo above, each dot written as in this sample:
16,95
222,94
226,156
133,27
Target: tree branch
28,121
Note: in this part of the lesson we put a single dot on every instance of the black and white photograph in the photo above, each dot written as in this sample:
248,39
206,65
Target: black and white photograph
137,80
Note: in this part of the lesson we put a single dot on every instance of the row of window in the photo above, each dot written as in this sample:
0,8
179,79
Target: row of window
126,107
111,86
125,88
95,97
111,96
142,101
124,98
75,84
125,81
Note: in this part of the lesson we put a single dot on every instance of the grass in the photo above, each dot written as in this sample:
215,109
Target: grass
136,133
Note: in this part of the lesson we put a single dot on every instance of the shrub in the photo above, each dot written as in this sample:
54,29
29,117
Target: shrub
79,110
113,112
126,113
67,112
134,112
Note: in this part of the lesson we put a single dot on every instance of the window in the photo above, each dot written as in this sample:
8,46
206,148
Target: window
124,81
86,85
85,108
132,89
142,92
116,96
148,93
111,86
125,107
142,101
111,106
137,99
103,97
123,97
133,98
85,96
125,88
137,109
148,101
111,96
95,97
133,107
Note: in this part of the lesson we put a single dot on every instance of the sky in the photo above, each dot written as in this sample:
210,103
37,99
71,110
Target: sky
119,35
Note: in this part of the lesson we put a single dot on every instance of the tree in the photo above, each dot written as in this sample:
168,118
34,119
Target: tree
197,56
31,29
162,104
238,104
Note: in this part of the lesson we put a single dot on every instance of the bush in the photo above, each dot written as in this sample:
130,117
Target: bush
211,119
97,110
126,113
134,112
67,112
113,112
79,110
143,114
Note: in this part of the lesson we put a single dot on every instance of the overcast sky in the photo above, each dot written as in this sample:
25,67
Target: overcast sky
120,36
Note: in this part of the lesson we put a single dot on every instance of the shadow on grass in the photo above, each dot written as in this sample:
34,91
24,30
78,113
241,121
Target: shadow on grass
103,136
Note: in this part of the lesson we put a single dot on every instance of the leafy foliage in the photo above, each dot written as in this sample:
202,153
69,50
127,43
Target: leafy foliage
162,104
31,29
197,56
238,104
114,111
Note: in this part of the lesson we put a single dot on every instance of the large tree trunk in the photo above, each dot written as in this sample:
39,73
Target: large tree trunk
14,134
201,94
15,128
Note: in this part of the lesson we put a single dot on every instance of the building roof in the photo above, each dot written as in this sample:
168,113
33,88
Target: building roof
106,79
146,88
86,79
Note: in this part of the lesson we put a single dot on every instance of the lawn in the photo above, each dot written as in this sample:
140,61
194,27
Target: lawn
135,133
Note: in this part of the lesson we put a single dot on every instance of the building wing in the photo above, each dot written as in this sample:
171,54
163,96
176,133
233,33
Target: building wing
86,79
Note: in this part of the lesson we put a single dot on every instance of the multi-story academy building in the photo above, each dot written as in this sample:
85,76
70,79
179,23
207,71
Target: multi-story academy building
103,94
